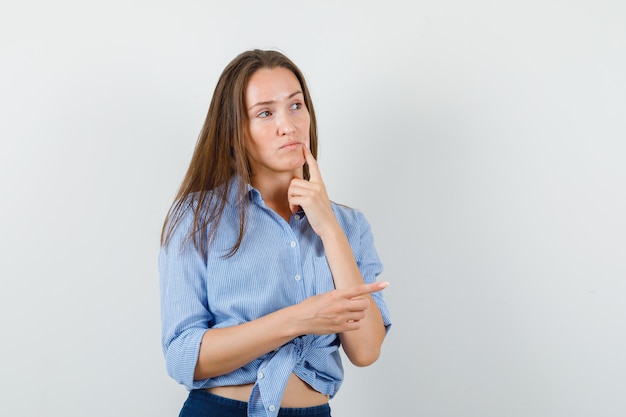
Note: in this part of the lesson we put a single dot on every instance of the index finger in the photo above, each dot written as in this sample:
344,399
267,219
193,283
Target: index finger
365,289
314,169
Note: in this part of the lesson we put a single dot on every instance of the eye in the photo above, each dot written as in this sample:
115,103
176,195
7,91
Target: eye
296,106
264,113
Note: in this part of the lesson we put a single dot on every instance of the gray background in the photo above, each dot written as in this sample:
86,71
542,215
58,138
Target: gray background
484,140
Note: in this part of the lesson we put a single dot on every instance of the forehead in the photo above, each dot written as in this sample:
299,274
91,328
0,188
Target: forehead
271,84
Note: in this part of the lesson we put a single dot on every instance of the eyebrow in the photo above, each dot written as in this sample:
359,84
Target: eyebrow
265,103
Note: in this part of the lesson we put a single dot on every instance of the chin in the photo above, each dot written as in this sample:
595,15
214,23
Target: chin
295,169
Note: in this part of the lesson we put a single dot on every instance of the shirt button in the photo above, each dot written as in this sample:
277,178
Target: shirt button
293,244
271,407
260,375
297,217
297,277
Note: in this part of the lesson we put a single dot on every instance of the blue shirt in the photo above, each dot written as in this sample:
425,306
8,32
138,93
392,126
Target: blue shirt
277,265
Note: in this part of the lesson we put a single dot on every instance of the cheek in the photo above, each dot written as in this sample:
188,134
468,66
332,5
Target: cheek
257,149
254,137
258,133
307,126
250,146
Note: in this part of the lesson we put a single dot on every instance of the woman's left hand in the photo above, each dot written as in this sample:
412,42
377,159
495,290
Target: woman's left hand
311,196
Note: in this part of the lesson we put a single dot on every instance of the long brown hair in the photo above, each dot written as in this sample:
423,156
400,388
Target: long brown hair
220,152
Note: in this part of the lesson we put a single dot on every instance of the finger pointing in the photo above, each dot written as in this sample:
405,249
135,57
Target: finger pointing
365,289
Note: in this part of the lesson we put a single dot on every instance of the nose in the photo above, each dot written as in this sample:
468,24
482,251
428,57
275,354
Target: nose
285,126
287,130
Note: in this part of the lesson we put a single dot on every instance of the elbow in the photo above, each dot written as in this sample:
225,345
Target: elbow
181,354
365,358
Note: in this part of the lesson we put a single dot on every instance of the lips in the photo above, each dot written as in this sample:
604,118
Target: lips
290,144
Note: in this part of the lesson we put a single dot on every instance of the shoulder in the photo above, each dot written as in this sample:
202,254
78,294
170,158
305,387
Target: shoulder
203,202
358,232
347,212
349,218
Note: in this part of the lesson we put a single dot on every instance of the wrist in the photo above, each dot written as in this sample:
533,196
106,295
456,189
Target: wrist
331,232
293,323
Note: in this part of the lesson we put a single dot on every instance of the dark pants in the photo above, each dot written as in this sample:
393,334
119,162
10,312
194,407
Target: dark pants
201,403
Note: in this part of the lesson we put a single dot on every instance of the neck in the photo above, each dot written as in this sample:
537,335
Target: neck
274,192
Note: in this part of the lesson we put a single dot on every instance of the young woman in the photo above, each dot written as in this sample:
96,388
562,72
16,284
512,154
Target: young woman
263,278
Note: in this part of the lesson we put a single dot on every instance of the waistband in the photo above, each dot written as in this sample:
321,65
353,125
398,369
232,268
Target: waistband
216,401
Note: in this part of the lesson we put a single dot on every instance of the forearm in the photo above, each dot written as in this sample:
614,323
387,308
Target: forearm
226,349
362,346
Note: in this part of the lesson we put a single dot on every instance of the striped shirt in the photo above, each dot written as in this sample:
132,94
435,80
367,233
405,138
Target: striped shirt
277,265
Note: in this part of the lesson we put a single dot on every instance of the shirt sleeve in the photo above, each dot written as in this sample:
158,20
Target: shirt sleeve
185,315
370,265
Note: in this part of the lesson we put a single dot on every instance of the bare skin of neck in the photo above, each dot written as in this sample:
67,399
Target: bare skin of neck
274,192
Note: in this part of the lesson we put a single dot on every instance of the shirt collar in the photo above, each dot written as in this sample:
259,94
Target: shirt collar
233,187
252,193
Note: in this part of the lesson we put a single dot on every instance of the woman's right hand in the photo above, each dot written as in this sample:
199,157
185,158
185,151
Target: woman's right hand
336,311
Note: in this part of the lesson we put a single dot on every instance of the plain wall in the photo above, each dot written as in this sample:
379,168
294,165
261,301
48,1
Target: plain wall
484,141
